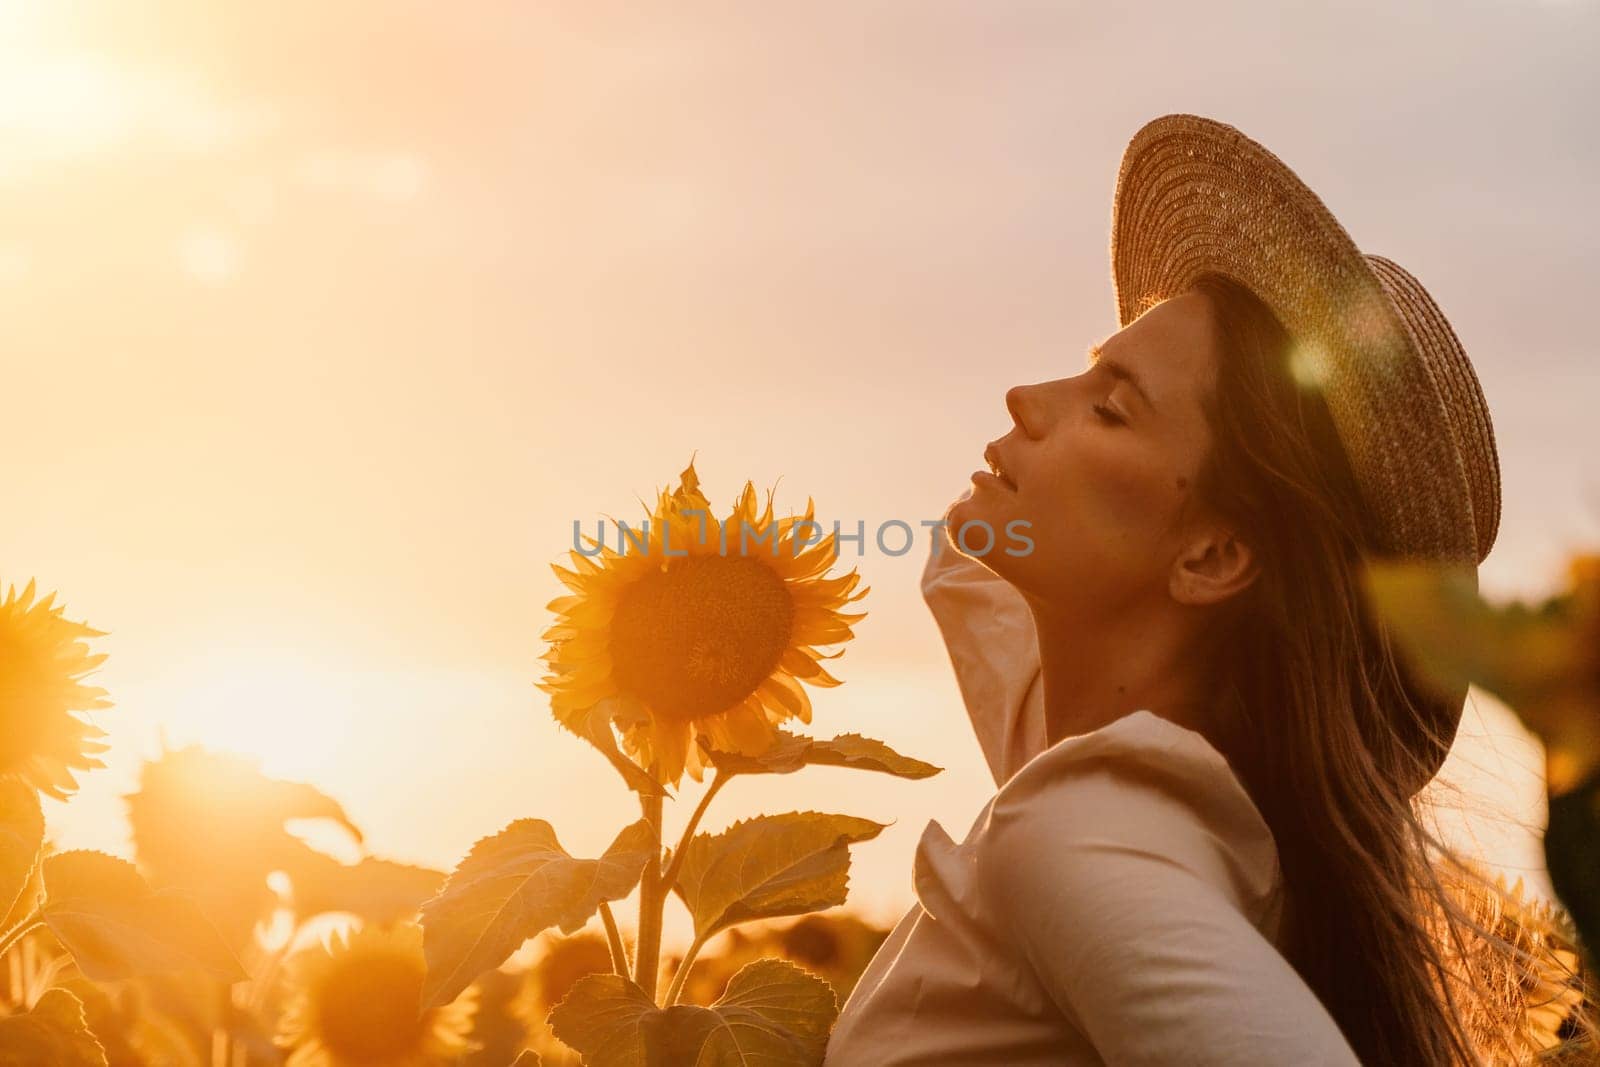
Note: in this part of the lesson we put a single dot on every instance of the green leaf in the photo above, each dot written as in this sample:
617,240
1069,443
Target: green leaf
792,751
603,1017
787,754
21,836
54,1033
769,866
134,1030
511,887
864,753
1453,637
116,926
1537,660
379,891
594,726
1571,843
773,1014
213,825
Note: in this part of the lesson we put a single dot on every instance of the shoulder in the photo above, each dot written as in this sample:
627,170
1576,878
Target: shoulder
1139,800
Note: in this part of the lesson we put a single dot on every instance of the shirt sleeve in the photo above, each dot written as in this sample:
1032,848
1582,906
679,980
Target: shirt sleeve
988,632
1134,895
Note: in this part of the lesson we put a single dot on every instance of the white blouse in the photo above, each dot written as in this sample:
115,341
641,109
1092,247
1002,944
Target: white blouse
1116,902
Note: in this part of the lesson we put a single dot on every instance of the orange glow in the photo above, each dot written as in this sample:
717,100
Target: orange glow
317,339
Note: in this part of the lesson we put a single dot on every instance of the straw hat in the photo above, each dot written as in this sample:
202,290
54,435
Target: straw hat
1195,195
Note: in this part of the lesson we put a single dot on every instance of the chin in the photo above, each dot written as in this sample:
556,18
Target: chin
961,511
968,510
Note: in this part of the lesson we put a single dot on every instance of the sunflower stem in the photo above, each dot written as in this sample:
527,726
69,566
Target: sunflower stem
647,961
20,931
670,878
619,955
675,990
261,987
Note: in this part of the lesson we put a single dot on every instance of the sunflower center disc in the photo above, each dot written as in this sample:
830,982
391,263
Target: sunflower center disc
700,636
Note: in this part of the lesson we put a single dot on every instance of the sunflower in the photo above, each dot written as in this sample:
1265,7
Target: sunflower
1532,997
698,628
835,947
562,964
354,1004
43,659
1553,986
564,961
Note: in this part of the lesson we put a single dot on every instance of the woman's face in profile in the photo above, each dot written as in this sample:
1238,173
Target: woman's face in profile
1101,465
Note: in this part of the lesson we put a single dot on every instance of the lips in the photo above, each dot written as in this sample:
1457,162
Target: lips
991,456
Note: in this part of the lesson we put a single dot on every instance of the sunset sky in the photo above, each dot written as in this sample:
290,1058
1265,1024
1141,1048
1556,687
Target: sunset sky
321,323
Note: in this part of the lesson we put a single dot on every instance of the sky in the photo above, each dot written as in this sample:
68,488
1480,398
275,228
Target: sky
321,324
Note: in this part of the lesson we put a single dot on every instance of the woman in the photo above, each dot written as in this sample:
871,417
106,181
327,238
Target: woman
1204,848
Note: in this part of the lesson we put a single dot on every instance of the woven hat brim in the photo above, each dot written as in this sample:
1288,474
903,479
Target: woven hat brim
1196,196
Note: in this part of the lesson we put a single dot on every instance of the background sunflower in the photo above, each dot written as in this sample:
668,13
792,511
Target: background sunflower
43,659
1541,1000
353,1003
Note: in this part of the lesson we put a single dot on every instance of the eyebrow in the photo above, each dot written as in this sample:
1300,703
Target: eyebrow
1120,371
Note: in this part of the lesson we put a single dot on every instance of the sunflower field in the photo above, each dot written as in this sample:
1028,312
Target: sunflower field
231,940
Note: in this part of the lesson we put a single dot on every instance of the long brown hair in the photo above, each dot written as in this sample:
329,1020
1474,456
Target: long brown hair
1324,727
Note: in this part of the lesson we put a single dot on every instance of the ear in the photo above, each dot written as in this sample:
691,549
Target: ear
1215,566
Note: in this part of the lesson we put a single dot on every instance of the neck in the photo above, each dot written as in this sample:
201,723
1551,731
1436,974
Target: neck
1095,672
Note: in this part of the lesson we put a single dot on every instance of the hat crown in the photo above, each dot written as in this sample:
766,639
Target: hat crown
1196,196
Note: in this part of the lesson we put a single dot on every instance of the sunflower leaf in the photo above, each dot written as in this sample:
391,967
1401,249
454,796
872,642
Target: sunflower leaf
116,926
772,1013
786,755
54,1032
769,866
138,1029
603,1017
792,751
864,753
377,890
21,836
594,726
1571,842
1536,659
511,887
1453,637
213,825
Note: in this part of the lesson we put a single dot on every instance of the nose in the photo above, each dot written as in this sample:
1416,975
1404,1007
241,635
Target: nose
1026,412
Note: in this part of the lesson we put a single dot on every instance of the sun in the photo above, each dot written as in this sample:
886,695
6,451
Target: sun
275,705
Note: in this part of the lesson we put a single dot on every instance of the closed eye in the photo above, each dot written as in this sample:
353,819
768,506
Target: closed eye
1098,360
1109,416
